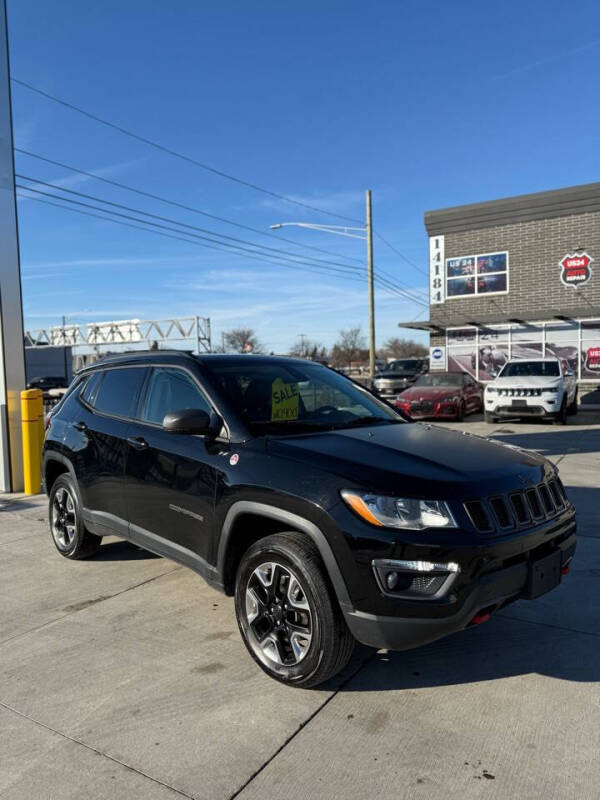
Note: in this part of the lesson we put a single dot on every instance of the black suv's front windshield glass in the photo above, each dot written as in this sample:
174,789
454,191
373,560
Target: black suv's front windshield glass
531,369
287,397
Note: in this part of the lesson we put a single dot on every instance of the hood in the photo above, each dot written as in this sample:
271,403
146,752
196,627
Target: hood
532,382
413,458
430,392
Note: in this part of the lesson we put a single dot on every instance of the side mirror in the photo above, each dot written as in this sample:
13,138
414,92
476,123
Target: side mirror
569,372
192,421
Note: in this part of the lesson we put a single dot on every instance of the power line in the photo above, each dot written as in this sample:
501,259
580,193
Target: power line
302,266
399,253
285,254
181,205
318,270
185,207
259,247
175,153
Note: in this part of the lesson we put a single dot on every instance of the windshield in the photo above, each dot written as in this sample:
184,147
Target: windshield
444,379
283,397
404,365
529,369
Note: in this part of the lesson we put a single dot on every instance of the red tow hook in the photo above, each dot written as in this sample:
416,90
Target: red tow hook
478,619
565,570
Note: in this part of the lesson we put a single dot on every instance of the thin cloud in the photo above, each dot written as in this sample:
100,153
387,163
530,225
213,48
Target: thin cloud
549,60
76,179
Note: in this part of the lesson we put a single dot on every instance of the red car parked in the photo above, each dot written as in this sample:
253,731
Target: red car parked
442,395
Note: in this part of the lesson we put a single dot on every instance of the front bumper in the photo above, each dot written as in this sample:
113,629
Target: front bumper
439,411
540,406
505,579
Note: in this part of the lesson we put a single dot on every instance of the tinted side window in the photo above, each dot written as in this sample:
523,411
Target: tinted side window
119,390
90,390
171,390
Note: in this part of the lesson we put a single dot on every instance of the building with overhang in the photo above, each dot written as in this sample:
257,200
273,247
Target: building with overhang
516,278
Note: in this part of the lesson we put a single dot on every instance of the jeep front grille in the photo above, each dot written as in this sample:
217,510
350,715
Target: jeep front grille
520,392
502,513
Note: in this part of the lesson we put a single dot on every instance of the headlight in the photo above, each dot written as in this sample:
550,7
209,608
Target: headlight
399,512
449,399
491,389
551,389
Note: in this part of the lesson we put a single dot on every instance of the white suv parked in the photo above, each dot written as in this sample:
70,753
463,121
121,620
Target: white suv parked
540,387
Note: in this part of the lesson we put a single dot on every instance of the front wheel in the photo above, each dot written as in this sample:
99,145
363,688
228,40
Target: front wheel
288,618
489,417
561,417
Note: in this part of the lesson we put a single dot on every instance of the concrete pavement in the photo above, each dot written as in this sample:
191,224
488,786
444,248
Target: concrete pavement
125,677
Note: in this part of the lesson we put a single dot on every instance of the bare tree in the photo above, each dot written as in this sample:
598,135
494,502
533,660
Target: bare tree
307,348
403,348
351,346
241,340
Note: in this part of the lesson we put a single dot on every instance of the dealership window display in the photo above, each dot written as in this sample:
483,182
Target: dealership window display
483,351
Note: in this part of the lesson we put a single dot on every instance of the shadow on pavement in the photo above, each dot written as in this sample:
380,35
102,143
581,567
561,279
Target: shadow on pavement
122,551
502,648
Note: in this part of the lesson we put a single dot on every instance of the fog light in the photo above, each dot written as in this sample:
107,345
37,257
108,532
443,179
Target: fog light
415,579
391,579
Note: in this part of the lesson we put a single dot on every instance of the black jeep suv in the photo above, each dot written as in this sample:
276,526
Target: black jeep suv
328,515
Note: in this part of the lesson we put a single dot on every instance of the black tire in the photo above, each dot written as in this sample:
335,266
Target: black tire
572,407
330,645
489,417
561,417
70,537
460,414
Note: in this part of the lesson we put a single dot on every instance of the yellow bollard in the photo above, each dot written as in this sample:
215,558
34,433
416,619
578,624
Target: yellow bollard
32,411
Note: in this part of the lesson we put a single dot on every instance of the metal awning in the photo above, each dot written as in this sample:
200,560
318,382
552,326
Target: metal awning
481,320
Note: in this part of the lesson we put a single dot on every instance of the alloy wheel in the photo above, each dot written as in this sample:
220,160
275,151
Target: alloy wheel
64,520
280,620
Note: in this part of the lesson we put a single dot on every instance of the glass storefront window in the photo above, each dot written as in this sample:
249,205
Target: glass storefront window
483,352
590,350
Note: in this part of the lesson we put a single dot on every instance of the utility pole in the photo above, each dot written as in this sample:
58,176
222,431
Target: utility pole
369,231
12,351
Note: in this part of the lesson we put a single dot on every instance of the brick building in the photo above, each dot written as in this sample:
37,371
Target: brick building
516,278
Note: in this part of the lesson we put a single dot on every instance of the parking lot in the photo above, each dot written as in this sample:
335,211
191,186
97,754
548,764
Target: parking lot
125,677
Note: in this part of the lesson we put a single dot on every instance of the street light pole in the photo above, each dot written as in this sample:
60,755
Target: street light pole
365,233
369,231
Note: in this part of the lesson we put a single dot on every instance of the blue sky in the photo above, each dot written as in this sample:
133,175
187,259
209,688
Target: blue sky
429,104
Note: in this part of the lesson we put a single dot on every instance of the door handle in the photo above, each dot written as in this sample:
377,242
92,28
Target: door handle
137,442
80,426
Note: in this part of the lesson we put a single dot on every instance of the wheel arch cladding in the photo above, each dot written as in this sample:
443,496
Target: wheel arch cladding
52,469
247,522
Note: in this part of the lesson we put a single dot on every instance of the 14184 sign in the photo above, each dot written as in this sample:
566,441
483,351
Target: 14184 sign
576,270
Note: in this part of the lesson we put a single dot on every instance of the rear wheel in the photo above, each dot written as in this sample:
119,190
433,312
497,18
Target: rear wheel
69,534
289,620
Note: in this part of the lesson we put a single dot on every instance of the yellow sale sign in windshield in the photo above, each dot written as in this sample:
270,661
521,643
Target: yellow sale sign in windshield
284,400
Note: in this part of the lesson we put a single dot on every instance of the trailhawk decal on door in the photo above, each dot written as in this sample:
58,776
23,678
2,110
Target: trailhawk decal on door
576,270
